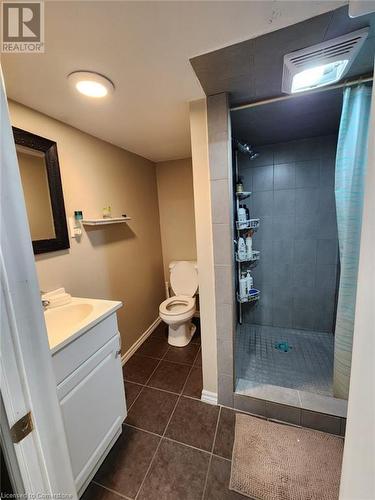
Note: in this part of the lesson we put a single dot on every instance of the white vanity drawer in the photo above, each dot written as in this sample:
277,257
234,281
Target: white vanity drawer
92,401
70,357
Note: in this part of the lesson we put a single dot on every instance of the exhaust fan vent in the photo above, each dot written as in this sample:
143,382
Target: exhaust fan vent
321,64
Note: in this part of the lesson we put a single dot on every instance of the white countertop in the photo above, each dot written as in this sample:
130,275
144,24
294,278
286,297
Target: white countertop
66,323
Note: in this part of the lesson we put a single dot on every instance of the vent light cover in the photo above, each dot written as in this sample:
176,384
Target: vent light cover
321,64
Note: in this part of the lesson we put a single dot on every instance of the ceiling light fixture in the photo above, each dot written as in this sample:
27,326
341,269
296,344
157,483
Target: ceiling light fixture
321,64
319,76
91,84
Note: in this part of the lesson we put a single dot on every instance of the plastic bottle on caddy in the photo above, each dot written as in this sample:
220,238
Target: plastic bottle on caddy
242,216
249,246
249,282
241,249
243,286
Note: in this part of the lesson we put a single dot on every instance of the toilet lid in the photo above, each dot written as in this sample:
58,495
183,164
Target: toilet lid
184,279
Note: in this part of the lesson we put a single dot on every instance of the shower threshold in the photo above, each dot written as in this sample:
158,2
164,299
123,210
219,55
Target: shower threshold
292,397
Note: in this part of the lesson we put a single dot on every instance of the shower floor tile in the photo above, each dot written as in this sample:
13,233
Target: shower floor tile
307,366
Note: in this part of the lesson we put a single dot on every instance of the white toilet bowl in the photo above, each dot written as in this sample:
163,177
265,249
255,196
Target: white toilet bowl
177,311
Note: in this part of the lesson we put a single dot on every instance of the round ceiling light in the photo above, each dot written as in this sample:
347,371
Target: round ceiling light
91,84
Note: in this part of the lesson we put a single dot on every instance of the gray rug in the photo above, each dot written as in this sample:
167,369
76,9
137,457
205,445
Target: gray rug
279,462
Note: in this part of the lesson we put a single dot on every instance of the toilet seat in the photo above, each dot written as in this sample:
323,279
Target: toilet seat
177,305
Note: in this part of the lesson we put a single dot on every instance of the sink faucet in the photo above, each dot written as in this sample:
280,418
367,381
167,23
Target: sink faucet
45,303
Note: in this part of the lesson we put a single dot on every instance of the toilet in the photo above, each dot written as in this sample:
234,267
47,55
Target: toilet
177,311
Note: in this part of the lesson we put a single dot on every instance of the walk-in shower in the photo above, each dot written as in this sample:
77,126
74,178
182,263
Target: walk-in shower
285,335
288,272
284,349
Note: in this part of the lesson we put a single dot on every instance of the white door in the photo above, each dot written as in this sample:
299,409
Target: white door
27,379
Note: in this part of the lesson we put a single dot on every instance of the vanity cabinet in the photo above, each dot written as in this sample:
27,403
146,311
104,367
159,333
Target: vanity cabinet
91,393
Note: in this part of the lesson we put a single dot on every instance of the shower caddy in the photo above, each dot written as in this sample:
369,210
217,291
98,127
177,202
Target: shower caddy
254,294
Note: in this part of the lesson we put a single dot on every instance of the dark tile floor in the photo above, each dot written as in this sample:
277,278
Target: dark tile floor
173,446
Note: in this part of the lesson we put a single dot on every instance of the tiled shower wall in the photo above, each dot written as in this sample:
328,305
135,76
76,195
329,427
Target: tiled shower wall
292,188
221,184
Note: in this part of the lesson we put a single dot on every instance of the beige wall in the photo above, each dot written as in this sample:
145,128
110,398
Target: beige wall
176,208
124,261
203,222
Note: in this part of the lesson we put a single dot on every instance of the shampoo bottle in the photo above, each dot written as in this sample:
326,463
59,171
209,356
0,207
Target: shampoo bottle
249,247
243,286
241,248
249,282
242,216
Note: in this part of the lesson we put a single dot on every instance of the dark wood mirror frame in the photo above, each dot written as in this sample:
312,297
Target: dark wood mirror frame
49,148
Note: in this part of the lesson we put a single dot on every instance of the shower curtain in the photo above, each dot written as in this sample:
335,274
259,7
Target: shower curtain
350,172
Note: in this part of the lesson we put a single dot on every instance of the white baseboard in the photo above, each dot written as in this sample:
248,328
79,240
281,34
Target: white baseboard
140,341
209,397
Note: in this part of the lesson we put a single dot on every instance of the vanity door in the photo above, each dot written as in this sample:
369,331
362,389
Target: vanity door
92,401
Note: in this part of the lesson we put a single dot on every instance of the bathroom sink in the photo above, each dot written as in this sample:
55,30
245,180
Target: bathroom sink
65,323
66,317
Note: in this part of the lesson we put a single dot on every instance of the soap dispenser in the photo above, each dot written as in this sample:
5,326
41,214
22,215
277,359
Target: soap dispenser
75,225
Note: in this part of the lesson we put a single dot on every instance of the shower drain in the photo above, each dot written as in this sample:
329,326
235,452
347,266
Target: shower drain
283,346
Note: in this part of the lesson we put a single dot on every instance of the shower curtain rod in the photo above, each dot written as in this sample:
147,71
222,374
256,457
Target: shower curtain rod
349,83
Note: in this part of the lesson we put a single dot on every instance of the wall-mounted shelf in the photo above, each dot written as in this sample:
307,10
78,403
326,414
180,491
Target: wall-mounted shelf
249,224
104,222
255,256
252,297
243,195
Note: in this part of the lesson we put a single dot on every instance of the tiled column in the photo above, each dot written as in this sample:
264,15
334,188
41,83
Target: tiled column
219,143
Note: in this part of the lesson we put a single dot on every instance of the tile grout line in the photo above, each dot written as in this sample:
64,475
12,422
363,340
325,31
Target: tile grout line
156,367
212,451
222,458
162,390
169,439
166,427
158,388
163,359
187,445
112,491
140,392
149,378
177,442
157,449
135,399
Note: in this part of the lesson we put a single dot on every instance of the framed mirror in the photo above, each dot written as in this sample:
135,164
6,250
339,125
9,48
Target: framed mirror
40,174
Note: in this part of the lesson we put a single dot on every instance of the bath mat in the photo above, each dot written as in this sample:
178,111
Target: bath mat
279,462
